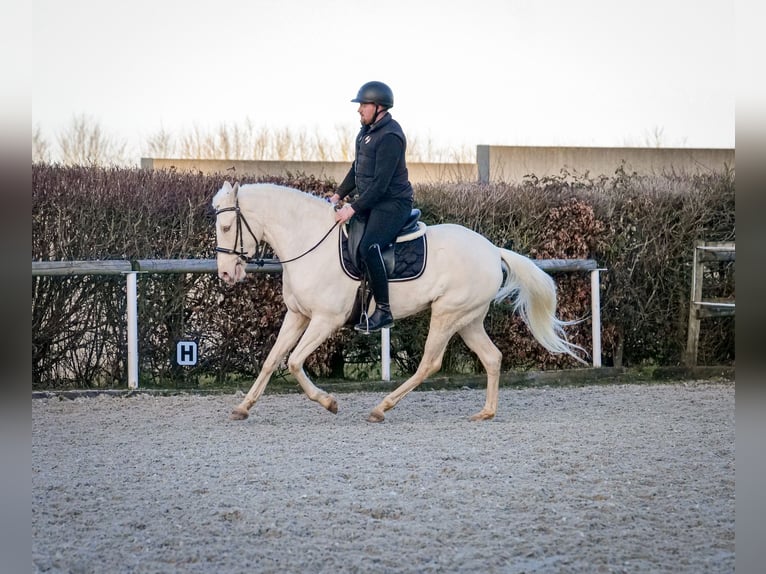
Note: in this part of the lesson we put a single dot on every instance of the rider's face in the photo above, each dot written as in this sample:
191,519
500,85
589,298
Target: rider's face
366,113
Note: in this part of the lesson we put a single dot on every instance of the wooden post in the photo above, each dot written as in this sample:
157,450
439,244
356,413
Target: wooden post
704,253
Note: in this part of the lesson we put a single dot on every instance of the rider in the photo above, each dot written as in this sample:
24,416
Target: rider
379,175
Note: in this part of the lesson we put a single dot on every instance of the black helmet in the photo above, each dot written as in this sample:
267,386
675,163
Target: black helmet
375,93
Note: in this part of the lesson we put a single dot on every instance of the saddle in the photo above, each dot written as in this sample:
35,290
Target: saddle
405,258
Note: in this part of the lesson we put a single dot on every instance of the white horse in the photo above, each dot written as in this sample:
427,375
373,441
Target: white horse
463,276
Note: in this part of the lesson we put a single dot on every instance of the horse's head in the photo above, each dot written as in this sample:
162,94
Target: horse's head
236,241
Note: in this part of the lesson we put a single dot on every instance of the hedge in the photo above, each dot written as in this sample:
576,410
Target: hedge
641,229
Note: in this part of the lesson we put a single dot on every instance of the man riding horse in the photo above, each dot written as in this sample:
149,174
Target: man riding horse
379,176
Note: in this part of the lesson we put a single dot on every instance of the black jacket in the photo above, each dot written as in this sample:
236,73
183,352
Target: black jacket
379,172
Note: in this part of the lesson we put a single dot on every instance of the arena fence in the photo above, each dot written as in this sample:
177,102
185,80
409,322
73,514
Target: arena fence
132,268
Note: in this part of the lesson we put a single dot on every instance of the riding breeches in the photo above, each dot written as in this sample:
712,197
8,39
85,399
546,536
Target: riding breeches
384,222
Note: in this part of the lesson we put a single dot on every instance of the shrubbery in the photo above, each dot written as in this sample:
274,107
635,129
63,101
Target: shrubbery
640,229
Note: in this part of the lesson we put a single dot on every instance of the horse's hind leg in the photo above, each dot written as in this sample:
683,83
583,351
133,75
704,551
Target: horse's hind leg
439,334
293,325
478,341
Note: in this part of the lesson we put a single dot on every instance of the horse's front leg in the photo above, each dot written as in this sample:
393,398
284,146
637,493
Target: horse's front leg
293,326
319,329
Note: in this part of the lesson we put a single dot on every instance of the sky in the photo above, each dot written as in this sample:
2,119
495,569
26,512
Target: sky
464,73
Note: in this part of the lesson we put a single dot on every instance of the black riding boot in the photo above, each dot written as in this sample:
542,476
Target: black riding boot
376,274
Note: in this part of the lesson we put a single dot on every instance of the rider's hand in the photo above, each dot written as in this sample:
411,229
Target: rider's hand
335,198
344,213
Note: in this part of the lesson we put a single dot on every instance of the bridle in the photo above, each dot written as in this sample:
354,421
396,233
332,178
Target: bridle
239,238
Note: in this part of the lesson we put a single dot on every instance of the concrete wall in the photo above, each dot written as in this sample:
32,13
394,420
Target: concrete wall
419,172
512,163
493,163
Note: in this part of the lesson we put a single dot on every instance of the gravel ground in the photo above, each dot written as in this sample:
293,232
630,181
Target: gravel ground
607,478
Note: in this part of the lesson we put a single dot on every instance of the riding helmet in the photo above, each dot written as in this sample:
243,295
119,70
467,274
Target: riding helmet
375,93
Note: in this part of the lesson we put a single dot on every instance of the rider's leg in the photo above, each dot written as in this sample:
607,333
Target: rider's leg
378,279
383,223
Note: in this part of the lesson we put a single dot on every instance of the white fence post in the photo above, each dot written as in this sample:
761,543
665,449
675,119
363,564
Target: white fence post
385,354
132,331
595,305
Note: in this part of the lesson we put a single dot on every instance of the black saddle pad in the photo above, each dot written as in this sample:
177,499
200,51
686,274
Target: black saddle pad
404,261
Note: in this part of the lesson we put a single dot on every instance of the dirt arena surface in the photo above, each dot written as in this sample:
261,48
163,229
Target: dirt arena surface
605,478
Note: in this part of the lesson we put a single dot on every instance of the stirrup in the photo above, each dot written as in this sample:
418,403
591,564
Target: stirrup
364,323
363,326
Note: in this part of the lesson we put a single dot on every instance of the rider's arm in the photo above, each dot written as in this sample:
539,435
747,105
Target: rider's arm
348,184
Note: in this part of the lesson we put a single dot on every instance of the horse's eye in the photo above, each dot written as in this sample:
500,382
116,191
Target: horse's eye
225,228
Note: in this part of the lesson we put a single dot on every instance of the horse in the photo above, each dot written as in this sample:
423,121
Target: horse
464,275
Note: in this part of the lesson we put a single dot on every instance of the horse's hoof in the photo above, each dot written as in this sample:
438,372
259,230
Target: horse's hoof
239,414
332,406
483,416
376,416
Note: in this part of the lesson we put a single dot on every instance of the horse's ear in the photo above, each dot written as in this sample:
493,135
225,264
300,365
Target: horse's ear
226,186
236,189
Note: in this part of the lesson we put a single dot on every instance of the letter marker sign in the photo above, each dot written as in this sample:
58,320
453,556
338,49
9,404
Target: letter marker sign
186,353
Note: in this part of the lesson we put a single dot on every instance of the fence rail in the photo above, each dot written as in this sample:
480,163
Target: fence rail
131,269
120,266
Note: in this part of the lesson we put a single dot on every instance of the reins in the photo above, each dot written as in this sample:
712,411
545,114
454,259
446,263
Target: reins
317,244
242,254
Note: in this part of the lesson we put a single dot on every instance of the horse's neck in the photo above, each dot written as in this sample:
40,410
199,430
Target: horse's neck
291,222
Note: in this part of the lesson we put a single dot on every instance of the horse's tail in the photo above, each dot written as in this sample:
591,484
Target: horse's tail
535,301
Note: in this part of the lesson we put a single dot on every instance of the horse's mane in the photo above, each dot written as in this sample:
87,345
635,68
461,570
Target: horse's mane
270,188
